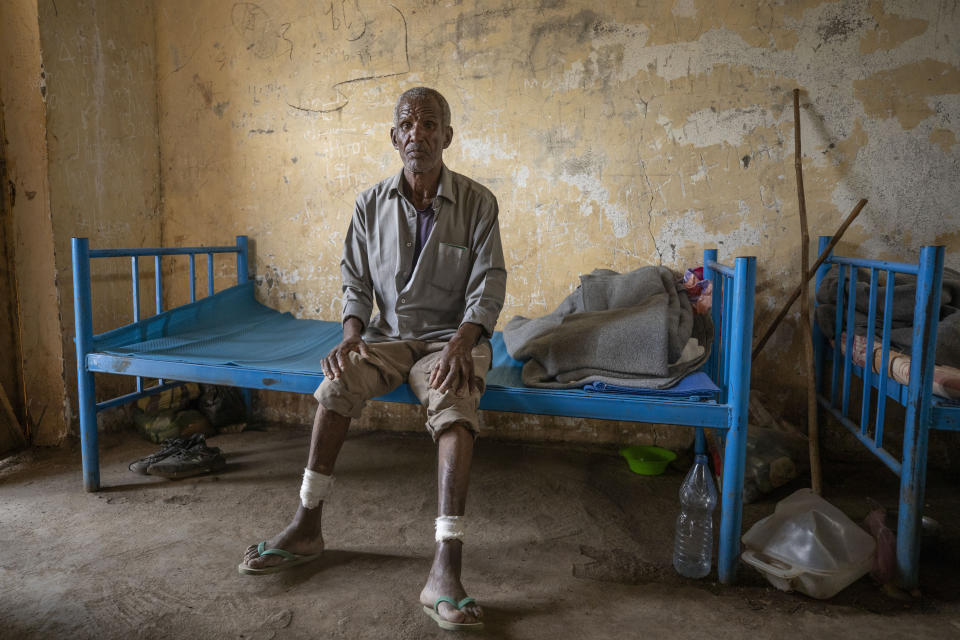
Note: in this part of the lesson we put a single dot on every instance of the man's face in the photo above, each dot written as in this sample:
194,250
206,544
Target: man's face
419,135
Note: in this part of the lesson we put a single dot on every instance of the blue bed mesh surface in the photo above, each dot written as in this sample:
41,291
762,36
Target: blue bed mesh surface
232,328
229,328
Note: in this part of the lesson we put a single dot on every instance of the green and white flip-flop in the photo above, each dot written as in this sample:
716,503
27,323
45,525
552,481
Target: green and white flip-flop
446,624
289,560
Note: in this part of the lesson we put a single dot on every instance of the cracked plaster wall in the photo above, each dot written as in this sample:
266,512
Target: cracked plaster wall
33,375
614,135
103,149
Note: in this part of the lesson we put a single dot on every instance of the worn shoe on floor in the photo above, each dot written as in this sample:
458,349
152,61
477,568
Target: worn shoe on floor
171,446
188,462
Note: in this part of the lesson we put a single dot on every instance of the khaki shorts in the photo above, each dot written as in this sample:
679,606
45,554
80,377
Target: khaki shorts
388,365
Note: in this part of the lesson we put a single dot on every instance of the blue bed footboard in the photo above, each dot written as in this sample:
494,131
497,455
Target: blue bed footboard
834,354
213,340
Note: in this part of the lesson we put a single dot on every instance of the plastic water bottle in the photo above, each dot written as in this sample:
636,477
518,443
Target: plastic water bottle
693,543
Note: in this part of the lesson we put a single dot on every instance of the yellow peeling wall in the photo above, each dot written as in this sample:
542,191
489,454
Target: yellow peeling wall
103,147
615,135
36,383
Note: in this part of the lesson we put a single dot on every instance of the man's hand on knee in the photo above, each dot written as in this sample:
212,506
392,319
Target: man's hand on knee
454,369
335,361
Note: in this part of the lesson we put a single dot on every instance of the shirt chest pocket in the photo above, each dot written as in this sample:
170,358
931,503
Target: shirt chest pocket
452,266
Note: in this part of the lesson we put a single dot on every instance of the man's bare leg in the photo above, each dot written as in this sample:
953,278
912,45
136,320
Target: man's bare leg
454,455
303,536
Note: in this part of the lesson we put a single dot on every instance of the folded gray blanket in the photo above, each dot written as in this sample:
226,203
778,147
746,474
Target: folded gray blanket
616,328
904,300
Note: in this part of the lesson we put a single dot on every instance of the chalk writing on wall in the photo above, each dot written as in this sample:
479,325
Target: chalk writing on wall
261,36
360,43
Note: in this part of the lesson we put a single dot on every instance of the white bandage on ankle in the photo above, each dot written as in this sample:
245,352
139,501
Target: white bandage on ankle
449,528
314,488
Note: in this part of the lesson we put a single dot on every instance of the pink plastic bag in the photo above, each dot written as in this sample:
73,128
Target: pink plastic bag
699,291
885,561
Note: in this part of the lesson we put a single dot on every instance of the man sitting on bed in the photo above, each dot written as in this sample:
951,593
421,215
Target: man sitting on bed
425,245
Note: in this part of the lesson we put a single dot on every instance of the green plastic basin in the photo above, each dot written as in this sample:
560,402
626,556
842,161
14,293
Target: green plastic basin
648,461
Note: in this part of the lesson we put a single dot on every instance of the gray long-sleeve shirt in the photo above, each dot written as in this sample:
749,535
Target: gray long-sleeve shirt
459,276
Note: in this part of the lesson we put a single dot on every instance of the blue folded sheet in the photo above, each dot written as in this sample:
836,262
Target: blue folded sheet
696,385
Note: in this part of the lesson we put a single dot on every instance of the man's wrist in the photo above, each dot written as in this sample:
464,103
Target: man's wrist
470,333
352,327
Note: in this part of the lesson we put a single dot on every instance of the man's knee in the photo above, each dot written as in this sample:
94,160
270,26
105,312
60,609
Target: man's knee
457,432
339,400
324,414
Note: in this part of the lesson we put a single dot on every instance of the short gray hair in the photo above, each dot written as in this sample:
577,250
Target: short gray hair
419,93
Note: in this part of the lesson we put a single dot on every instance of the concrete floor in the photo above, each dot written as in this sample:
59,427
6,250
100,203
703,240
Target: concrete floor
564,543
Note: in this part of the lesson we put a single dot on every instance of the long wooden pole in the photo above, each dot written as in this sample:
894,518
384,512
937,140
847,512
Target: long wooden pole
812,272
813,430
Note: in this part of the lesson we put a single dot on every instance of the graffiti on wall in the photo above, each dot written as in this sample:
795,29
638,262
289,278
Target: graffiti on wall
359,43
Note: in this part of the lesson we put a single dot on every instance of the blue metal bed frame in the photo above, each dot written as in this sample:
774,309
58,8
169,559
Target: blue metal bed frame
923,410
728,366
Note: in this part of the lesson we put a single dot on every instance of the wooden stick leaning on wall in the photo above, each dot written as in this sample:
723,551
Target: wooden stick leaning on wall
813,430
812,272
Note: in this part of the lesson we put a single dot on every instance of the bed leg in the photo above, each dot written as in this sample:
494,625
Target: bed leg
912,485
247,402
913,469
89,446
243,275
909,518
731,504
83,322
700,443
738,398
